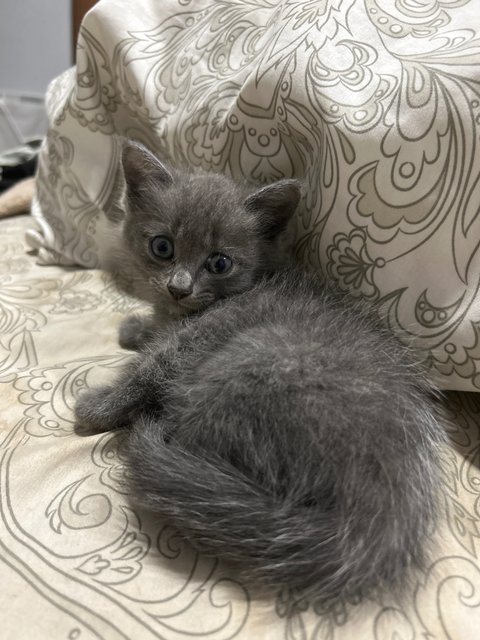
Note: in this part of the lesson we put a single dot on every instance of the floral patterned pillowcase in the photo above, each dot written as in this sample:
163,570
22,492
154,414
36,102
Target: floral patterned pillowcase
376,105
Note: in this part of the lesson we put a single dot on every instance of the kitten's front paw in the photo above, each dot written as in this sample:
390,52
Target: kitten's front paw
133,332
93,410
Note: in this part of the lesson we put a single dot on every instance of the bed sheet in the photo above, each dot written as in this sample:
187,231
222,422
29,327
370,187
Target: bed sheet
80,560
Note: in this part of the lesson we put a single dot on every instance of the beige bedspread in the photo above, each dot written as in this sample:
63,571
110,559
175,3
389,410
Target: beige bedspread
80,561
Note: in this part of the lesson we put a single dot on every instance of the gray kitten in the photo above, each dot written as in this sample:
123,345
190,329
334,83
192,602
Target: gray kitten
275,422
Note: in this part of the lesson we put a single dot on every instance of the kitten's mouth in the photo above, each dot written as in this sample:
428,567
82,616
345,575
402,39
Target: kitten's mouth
194,304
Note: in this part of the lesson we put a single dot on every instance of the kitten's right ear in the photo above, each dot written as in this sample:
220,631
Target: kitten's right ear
275,204
142,170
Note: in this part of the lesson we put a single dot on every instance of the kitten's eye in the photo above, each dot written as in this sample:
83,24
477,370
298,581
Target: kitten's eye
218,263
161,247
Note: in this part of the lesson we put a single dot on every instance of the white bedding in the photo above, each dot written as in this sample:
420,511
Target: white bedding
78,560
375,104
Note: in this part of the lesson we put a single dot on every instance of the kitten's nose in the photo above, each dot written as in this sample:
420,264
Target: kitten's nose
178,294
180,285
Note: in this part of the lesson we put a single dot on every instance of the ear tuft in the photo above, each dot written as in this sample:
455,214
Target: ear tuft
275,205
142,169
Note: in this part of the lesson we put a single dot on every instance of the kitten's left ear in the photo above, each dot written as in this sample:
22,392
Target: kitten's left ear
142,169
275,204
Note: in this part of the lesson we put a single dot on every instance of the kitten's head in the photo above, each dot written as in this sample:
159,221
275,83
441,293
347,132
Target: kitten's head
195,237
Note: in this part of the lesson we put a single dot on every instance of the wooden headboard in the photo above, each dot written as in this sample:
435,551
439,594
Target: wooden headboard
79,9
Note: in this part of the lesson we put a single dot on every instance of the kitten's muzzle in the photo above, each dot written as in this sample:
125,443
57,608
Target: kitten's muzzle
180,285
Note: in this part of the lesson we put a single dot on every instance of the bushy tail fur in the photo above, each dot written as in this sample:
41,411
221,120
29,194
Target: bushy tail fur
369,536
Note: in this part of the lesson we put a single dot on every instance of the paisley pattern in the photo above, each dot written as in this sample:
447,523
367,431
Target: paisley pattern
80,560
374,104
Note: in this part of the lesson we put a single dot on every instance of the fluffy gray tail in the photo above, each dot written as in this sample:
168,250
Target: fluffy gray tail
369,537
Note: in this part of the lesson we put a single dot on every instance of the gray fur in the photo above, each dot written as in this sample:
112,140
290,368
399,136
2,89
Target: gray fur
280,427
202,212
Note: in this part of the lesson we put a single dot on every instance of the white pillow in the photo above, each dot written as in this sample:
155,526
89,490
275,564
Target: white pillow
375,104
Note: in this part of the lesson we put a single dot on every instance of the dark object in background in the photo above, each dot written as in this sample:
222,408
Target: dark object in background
18,163
79,9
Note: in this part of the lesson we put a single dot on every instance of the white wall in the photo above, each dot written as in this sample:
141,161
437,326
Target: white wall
35,43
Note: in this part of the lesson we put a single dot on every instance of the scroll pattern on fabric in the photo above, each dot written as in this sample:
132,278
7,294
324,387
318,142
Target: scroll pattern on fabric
375,105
